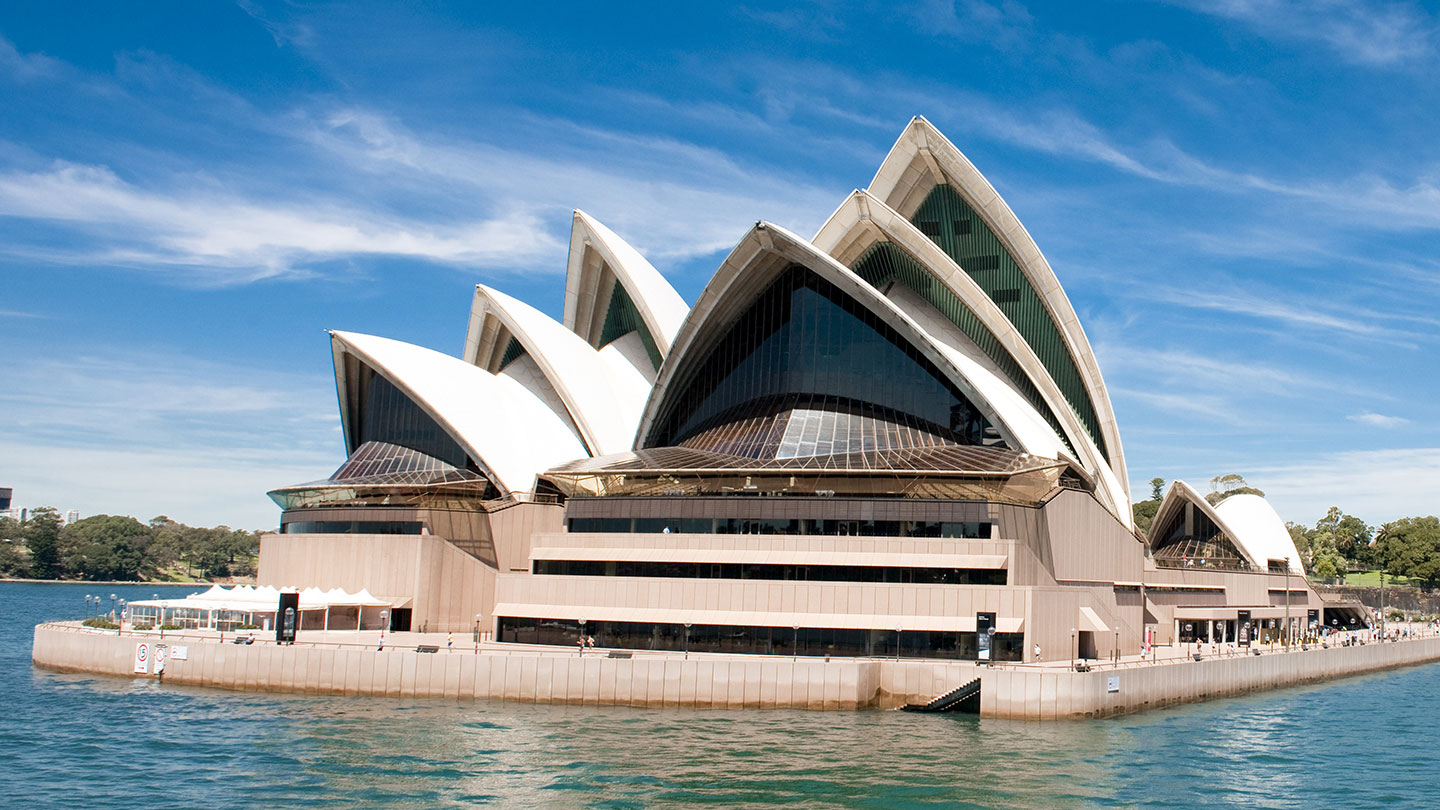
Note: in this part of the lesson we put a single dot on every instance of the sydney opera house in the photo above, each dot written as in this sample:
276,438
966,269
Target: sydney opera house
890,438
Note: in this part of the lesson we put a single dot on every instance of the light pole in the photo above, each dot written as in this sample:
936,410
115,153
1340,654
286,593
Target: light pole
795,643
1074,648
1115,651
112,607
1287,603
582,637
1382,601
687,641
897,644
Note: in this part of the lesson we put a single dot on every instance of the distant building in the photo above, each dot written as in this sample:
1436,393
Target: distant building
71,516
6,493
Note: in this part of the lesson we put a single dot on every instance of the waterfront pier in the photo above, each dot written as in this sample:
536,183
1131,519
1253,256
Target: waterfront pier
462,669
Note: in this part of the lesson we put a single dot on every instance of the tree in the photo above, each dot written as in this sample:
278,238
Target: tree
42,537
1223,486
1410,547
105,547
1144,513
1157,488
1328,563
1300,536
1350,534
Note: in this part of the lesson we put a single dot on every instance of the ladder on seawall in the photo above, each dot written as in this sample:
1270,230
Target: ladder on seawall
964,698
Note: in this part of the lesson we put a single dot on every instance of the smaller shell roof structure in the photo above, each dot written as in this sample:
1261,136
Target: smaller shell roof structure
1260,530
601,392
600,261
1248,521
504,427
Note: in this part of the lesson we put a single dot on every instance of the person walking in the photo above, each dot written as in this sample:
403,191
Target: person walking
1037,653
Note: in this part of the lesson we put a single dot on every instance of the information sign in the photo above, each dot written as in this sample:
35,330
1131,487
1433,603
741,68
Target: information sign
142,657
1112,684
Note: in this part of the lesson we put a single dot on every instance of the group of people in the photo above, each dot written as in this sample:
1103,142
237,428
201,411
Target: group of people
584,641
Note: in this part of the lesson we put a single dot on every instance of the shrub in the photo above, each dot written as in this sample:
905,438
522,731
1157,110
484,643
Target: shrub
103,624
171,627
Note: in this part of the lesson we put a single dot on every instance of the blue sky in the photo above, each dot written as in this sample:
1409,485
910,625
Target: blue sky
1242,199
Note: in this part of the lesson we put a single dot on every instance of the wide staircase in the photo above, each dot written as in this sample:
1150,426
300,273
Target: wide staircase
965,698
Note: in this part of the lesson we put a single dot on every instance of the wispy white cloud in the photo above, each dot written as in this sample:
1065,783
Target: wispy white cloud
237,239
634,183
1376,485
163,433
1378,419
1367,33
1290,311
15,313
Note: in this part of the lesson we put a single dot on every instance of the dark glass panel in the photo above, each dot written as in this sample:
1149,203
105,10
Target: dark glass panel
885,263
981,249
750,640
392,417
805,339
772,572
352,527
621,319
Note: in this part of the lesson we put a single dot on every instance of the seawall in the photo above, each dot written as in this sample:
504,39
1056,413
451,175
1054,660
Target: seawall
709,680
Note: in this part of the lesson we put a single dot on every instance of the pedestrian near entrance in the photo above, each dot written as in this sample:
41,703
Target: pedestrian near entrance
449,642
1037,653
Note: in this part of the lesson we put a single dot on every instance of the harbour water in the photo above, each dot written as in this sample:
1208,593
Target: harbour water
77,741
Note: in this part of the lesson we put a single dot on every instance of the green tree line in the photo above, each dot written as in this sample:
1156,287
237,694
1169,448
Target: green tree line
1338,542
112,547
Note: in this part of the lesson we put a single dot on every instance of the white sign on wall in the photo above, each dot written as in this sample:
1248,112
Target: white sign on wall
159,656
142,658
1112,684
179,653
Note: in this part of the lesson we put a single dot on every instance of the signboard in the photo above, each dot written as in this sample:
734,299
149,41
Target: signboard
142,657
1112,684
159,656
179,653
1242,620
984,635
287,619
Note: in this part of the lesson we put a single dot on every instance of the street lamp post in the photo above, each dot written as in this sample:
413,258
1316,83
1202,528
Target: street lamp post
897,643
112,607
687,641
1074,648
1115,651
1287,603
795,643
582,637
1382,601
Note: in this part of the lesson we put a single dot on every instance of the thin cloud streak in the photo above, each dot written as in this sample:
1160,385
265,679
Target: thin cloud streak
1373,34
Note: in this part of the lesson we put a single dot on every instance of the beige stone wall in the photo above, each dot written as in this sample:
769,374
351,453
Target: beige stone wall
704,681
443,586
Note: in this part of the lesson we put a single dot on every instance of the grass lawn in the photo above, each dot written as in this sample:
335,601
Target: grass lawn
1372,579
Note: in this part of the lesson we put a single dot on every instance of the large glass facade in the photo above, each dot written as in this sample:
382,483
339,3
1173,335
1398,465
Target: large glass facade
352,527
1192,540
885,263
804,338
768,571
960,231
392,417
975,530
810,641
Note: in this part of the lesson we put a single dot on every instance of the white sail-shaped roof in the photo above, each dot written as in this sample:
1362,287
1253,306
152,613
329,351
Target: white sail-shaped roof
1260,530
601,393
922,159
864,221
767,251
503,426
602,263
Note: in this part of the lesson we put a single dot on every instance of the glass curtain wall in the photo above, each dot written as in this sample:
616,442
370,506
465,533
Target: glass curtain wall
804,337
